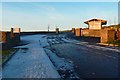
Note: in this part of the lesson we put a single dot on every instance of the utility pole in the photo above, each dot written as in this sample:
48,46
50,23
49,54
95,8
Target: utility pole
48,28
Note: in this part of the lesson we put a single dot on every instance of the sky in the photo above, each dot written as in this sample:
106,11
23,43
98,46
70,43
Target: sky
36,16
60,0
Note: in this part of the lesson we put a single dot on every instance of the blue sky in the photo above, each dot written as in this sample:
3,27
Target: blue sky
31,16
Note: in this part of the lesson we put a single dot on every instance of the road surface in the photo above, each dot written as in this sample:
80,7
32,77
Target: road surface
91,61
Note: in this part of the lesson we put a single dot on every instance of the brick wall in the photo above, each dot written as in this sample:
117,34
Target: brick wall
92,33
78,32
118,35
3,37
107,35
85,32
7,41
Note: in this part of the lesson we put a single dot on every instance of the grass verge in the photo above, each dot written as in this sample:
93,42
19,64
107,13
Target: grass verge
114,42
5,53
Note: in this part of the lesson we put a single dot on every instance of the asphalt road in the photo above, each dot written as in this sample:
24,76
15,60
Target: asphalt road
90,61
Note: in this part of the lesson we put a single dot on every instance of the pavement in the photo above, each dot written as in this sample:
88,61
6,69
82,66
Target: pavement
30,61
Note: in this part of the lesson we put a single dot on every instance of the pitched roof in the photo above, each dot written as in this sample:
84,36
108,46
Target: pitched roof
103,21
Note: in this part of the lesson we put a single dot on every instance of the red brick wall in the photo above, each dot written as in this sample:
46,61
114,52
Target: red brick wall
3,36
7,41
94,33
78,32
107,35
118,35
85,32
91,33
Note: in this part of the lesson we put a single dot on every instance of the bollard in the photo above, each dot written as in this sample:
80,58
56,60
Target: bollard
73,30
57,30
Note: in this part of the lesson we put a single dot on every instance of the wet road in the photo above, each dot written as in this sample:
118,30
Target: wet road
90,61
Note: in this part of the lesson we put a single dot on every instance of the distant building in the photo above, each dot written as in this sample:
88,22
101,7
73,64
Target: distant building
95,23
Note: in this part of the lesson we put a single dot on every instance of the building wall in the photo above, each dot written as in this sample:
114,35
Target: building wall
94,25
85,32
92,33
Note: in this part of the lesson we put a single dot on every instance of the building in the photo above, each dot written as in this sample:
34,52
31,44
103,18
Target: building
95,23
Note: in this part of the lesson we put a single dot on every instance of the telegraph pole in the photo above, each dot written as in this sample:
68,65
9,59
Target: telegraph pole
48,28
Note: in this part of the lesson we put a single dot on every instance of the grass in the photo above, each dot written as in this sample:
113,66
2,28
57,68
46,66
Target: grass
114,42
6,53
